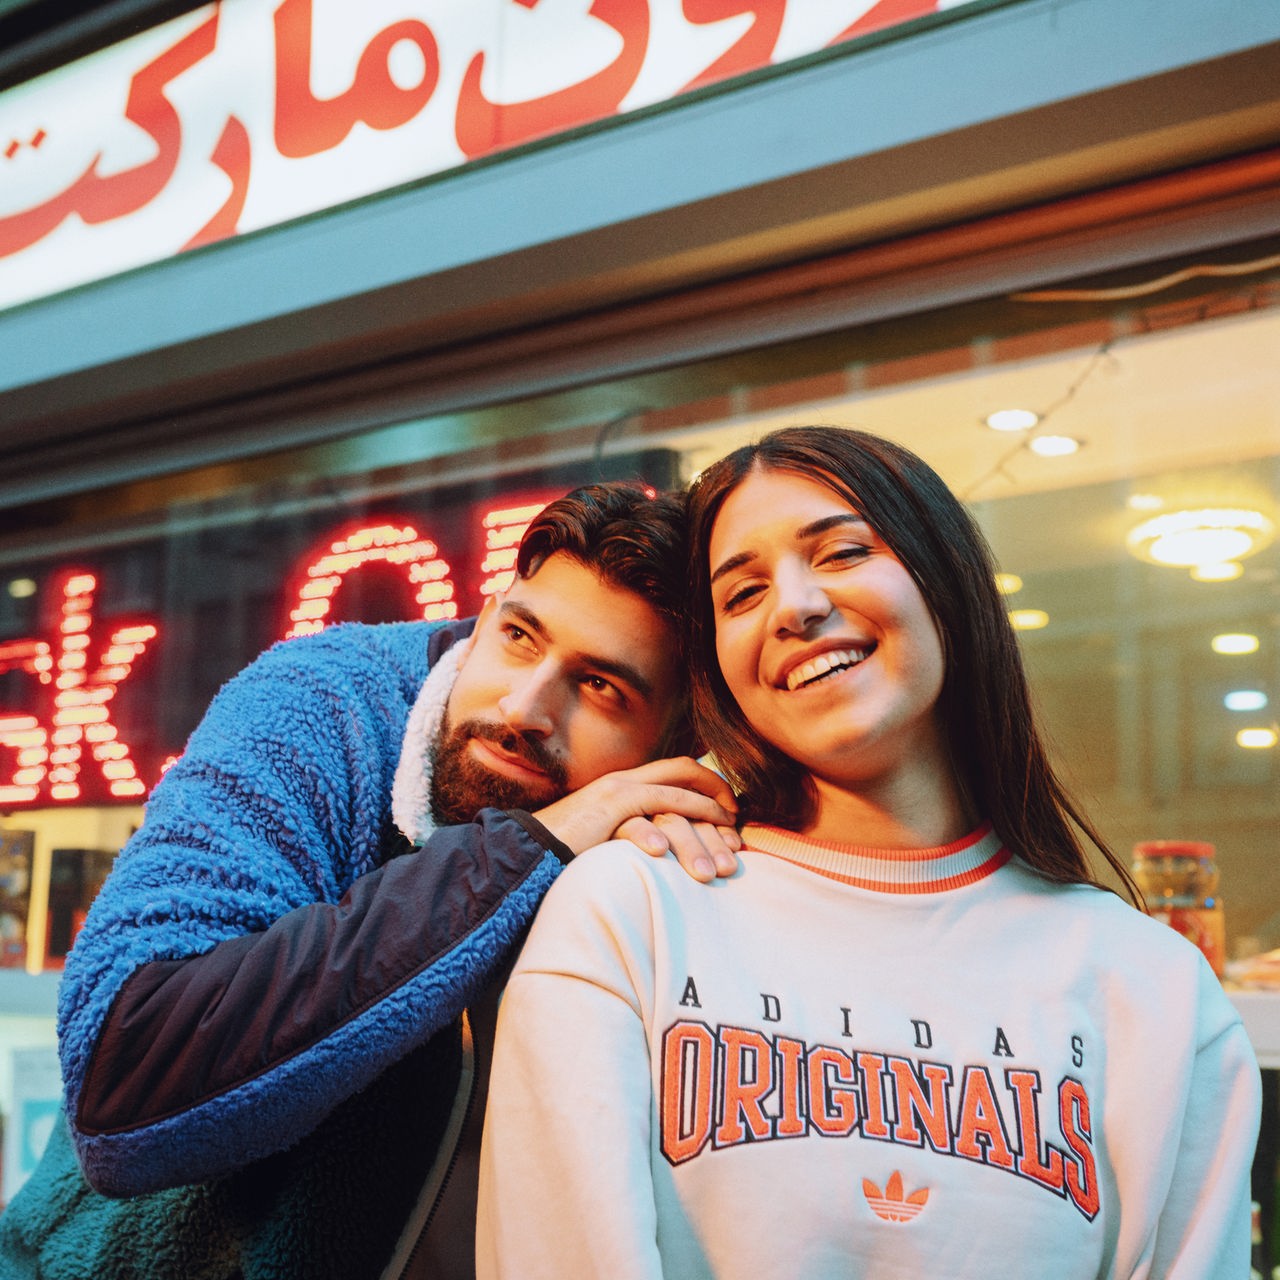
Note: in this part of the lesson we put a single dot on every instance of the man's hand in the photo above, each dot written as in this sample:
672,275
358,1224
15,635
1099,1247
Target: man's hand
677,805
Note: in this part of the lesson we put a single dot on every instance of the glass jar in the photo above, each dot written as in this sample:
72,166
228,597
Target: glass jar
1179,882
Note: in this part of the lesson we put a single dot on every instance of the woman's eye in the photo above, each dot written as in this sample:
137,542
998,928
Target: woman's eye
845,554
741,596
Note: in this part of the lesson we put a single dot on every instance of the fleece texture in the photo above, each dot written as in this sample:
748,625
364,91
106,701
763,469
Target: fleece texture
269,876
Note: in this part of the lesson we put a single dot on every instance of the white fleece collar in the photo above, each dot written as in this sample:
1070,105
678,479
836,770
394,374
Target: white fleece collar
411,790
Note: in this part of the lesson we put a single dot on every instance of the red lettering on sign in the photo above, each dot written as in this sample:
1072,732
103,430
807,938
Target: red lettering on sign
886,13
388,544
306,125
753,49
233,156
100,199
49,745
483,125
51,755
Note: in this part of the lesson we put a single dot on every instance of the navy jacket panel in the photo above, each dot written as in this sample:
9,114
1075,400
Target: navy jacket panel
258,956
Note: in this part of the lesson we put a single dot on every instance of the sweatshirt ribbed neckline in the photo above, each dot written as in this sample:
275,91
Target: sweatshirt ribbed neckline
935,870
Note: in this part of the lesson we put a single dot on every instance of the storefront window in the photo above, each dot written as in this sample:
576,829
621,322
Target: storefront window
1133,510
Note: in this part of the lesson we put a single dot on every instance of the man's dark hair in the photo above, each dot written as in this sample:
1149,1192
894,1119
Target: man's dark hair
635,538
985,708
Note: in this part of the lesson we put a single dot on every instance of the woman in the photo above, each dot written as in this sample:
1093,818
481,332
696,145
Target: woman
911,1037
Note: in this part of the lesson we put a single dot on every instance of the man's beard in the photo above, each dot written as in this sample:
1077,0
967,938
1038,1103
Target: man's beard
461,786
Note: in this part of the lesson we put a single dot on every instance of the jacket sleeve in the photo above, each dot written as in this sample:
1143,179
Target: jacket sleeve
1203,1228
566,1186
248,964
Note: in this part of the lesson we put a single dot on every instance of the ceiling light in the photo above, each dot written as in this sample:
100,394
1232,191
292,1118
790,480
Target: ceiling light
1257,739
1144,502
1053,446
1008,584
1012,420
1028,619
1208,536
1234,643
1245,700
1229,571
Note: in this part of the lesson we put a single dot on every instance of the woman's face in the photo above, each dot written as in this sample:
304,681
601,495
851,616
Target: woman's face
822,636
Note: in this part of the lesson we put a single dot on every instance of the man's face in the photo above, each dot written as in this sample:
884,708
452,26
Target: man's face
568,678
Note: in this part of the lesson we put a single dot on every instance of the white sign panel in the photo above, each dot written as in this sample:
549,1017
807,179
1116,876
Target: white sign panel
247,113
34,1110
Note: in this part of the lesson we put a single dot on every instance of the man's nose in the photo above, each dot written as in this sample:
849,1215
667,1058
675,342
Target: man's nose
799,602
529,705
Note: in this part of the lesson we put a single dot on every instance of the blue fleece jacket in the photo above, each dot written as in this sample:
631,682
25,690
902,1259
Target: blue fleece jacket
269,958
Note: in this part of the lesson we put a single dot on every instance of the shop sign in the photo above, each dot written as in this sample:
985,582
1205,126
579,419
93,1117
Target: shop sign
61,740
247,113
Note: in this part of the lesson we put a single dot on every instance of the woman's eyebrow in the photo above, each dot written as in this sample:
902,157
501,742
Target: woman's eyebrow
829,522
812,530
732,563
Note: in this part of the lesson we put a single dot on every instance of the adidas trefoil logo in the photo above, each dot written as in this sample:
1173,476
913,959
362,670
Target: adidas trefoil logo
890,1204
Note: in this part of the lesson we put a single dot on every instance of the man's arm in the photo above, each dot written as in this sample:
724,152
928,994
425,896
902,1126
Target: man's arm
248,966
675,805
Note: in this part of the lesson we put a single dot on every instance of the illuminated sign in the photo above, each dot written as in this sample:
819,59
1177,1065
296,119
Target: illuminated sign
109,665
247,113
383,543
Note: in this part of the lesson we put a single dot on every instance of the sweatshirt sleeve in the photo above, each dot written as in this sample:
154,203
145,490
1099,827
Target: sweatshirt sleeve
248,964
1203,1229
566,1187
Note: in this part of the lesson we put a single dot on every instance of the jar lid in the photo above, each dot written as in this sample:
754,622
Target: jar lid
1174,849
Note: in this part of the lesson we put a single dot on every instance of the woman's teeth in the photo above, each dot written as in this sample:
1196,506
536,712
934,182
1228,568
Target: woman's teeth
822,665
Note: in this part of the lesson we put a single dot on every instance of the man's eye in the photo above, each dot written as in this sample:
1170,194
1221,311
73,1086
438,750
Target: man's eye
603,688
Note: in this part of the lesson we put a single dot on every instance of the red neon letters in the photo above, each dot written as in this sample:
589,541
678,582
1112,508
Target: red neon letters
49,749
51,756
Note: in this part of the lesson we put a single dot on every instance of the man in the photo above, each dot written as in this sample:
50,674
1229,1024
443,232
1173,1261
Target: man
263,1009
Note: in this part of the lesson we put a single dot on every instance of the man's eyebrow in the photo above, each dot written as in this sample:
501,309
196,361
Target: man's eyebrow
623,671
811,530
527,617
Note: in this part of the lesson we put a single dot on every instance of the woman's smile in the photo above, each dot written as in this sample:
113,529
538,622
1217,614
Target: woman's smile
807,673
822,635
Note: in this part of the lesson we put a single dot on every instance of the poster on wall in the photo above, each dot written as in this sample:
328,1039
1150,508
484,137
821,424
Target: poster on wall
31,1113
17,850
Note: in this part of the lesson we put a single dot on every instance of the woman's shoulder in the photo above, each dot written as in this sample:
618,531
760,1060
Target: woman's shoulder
614,883
618,871
602,912
1121,934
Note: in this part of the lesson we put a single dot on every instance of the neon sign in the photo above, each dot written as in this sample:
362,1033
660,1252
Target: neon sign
361,547
66,747
51,755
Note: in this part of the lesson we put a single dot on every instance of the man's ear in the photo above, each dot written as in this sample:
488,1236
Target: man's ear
486,616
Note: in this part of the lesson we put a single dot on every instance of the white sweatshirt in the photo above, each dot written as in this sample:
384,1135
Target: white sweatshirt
847,1062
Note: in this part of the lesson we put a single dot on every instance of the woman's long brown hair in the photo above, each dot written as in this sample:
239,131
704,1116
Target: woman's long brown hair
996,751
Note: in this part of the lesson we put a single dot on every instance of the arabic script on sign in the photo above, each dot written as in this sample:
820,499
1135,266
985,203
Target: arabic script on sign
248,113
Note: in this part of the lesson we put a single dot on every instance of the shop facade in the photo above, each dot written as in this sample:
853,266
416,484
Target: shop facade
900,217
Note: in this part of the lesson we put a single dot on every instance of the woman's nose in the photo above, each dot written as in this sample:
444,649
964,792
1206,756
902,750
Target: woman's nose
799,603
